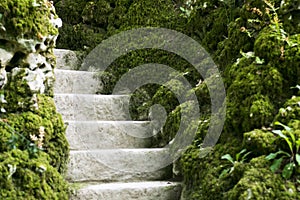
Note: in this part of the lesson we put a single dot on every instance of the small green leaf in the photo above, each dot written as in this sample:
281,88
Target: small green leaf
244,156
288,170
276,164
271,156
259,61
228,157
224,173
284,126
279,132
298,158
237,156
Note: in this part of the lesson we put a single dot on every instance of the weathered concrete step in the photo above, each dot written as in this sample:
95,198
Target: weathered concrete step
78,82
155,190
118,165
108,134
67,59
84,107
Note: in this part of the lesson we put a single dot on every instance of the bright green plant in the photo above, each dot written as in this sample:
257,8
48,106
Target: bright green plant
239,158
290,159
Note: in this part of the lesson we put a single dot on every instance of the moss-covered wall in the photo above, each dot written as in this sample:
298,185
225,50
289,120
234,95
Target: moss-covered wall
256,46
33,150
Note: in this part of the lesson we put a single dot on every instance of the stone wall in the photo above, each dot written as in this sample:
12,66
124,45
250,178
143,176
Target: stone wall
33,146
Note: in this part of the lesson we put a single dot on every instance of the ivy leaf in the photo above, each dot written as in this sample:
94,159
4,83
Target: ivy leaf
276,164
288,170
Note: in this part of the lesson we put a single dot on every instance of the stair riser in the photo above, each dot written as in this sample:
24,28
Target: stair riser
117,165
75,107
107,135
76,82
167,192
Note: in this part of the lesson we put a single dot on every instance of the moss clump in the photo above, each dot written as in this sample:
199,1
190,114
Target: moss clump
26,19
290,111
260,142
201,175
29,123
24,177
94,21
258,181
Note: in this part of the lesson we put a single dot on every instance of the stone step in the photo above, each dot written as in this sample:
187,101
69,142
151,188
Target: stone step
154,190
108,134
111,165
67,59
84,107
77,82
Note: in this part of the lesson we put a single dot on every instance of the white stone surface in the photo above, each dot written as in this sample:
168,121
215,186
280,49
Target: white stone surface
77,82
154,190
118,165
83,107
108,134
66,59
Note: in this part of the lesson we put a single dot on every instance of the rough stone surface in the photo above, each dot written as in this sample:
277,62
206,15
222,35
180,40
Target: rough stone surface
108,134
78,82
130,191
117,165
66,59
78,107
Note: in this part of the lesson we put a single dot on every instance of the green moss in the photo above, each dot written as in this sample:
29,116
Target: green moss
260,142
17,93
23,177
28,123
290,111
259,182
201,175
23,18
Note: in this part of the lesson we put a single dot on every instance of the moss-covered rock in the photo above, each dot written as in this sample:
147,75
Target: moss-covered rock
260,142
259,182
33,150
27,18
24,177
30,123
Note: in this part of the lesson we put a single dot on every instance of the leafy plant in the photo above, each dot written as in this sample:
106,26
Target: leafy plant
239,158
292,157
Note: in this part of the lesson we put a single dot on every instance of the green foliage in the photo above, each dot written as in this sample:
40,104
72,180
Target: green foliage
291,158
256,47
239,157
258,181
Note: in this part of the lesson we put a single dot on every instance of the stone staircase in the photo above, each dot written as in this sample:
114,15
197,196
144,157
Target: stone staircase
109,158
